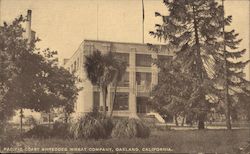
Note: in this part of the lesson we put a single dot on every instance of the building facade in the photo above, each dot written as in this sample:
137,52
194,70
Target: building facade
133,90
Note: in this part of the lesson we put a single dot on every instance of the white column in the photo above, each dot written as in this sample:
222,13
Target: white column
132,84
154,71
101,101
109,98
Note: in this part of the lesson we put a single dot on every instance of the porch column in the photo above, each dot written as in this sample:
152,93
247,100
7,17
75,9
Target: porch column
154,72
101,101
109,98
132,83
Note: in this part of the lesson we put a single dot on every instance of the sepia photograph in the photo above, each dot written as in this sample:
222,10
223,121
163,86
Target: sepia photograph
125,76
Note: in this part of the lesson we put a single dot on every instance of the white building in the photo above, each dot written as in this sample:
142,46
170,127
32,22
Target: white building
133,91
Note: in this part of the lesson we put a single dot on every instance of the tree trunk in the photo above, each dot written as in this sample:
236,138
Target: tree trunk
198,62
228,113
183,119
49,119
113,101
176,121
104,96
228,116
201,124
21,121
201,121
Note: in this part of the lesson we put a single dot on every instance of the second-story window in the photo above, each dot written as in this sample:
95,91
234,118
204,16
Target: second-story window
124,81
72,68
143,79
77,64
143,60
122,56
74,65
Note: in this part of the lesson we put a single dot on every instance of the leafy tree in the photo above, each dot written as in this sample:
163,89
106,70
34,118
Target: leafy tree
173,90
63,84
10,42
192,28
38,83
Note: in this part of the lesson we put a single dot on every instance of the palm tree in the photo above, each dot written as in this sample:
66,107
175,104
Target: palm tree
120,68
102,70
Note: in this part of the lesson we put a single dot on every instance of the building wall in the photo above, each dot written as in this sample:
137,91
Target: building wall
135,69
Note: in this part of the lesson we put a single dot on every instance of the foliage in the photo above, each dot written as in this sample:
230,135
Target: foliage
180,141
173,91
60,130
39,131
243,106
130,128
102,70
119,66
31,79
91,126
10,42
8,136
230,72
193,28
99,73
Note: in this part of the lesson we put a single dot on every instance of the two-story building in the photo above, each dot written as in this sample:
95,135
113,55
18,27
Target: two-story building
133,91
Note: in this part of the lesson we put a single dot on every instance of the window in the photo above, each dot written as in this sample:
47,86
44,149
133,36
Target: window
143,78
121,101
143,105
122,56
77,63
124,81
72,69
96,98
143,60
74,65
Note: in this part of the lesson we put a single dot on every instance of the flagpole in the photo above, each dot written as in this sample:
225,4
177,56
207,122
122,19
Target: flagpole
143,16
97,22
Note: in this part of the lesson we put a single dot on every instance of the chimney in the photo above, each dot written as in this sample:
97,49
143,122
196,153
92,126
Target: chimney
0,12
28,26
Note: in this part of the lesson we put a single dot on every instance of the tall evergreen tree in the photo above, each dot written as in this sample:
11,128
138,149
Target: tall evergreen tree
196,29
231,69
193,28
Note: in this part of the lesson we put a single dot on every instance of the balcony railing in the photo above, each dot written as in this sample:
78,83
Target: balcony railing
146,89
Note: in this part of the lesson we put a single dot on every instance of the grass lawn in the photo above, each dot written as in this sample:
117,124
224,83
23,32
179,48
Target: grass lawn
221,141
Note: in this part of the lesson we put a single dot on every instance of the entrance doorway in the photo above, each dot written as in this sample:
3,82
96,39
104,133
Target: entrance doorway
143,105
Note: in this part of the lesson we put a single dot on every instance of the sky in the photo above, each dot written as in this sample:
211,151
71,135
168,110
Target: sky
63,24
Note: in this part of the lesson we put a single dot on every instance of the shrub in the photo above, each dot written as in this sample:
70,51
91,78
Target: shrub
130,128
92,125
60,130
39,131
8,136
